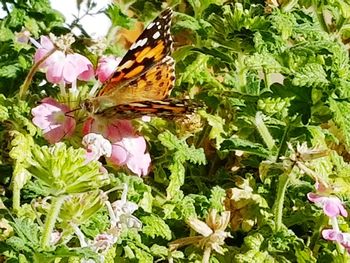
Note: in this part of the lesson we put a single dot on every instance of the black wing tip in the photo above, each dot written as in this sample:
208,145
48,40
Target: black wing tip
167,12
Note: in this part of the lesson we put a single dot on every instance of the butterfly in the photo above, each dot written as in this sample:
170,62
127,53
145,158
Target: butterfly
143,79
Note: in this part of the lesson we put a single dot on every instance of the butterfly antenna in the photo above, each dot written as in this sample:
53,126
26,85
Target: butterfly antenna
71,111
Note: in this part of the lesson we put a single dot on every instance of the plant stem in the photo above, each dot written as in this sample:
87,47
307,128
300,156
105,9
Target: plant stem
278,206
283,142
51,220
16,197
33,70
264,132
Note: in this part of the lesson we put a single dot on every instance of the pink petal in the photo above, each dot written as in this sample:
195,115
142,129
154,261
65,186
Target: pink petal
46,46
50,117
87,126
119,154
81,66
87,74
70,70
315,197
54,72
119,129
46,43
39,54
330,209
139,164
332,235
54,135
106,66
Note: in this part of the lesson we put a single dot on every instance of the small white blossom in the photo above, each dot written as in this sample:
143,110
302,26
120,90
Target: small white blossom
55,237
121,212
103,242
97,145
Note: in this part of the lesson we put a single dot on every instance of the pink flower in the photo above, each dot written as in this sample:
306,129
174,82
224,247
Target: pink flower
331,205
128,148
341,238
51,118
106,66
23,36
130,151
62,68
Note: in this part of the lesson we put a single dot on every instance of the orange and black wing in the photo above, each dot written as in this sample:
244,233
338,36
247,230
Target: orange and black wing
149,51
168,108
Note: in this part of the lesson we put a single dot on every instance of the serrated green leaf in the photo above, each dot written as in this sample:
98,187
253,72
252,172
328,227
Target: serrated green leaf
9,71
141,255
159,250
18,244
217,127
341,118
4,114
311,75
26,235
217,197
186,21
244,145
154,226
63,169
182,154
118,18
170,141
177,179
5,33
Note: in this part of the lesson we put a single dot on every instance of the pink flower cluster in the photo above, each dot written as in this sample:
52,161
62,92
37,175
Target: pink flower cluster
52,117
61,67
332,207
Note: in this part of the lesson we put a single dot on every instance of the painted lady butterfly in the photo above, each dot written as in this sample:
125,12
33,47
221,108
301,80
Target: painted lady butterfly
143,79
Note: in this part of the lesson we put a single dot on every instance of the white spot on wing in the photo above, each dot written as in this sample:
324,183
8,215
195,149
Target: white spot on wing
150,25
156,35
139,43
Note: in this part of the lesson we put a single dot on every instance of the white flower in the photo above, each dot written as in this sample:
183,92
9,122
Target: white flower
97,146
103,242
121,211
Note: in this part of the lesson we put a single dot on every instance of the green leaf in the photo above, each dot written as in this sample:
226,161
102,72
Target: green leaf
26,235
159,250
9,71
234,144
311,75
118,18
18,244
4,114
217,127
217,197
182,153
177,179
341,119
137,253
154,226
5,33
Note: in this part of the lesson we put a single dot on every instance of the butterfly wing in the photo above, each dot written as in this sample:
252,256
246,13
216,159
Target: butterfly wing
154,84
148,53
169,108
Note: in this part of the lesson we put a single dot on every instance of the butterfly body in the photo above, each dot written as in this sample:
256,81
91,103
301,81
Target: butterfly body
143,79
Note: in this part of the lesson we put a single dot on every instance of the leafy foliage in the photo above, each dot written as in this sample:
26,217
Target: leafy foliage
271,76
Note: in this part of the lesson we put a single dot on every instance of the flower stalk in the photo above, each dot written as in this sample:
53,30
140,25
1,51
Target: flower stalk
25,86
264,132
51,220
278,206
